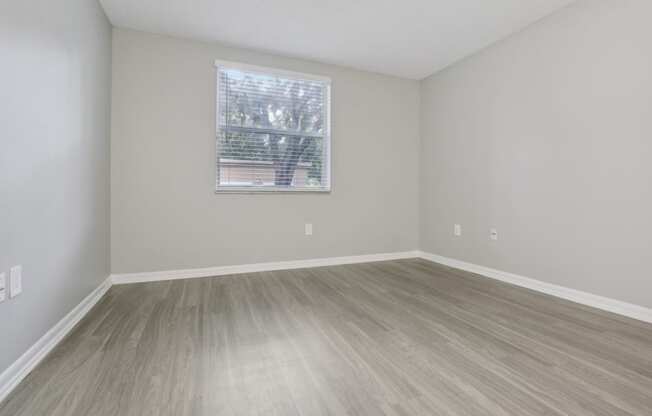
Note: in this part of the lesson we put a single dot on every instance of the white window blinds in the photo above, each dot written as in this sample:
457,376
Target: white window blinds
272,130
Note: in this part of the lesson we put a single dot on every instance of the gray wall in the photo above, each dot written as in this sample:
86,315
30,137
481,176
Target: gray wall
547,136
165,214
54,161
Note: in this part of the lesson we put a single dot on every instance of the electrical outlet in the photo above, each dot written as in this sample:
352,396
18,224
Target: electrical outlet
493,234
308,229
15,281
3,287
457,230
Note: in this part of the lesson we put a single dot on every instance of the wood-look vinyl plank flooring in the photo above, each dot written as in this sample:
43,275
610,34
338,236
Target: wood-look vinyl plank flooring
405,337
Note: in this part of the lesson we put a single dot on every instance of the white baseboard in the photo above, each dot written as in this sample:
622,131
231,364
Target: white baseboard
16,372
126,278
611,305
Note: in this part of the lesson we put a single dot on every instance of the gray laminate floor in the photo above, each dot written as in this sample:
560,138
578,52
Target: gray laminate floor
395,338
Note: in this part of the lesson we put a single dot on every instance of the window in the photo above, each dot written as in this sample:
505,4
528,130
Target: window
273,130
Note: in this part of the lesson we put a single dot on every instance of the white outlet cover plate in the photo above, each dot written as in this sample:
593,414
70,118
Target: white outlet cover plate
3,286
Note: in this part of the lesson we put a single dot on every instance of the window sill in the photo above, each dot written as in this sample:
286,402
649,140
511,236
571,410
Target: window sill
246,190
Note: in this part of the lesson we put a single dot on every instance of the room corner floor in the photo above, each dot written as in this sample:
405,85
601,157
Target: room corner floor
405,337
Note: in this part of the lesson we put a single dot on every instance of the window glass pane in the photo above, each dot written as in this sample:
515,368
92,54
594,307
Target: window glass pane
268,102
253,159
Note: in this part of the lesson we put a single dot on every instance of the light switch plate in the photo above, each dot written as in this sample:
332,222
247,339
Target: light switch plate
15,281
308,229
457,230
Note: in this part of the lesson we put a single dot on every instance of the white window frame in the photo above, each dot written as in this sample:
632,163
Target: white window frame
327,164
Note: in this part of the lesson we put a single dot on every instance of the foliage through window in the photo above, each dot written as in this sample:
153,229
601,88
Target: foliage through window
272,130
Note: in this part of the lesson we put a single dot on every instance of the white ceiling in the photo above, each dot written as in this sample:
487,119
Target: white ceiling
407,38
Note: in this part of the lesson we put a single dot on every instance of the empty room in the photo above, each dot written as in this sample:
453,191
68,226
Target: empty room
292,207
